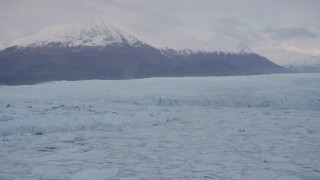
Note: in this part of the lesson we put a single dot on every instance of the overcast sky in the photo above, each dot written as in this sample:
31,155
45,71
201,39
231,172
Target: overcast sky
285,31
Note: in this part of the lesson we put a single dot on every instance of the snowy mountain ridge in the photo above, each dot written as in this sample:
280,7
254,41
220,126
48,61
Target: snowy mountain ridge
240,49
98,33
80,33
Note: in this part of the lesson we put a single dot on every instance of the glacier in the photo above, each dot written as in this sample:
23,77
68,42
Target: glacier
239,127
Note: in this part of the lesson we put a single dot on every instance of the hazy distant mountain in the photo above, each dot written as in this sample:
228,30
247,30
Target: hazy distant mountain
304,68
97,50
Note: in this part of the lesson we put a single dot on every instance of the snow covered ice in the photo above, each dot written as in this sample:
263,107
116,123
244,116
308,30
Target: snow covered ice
248,127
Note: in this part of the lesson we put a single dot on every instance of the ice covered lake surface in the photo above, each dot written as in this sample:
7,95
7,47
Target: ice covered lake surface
249,127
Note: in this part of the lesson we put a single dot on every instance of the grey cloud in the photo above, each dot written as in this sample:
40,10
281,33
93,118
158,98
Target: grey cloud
236,29
289,33
121,5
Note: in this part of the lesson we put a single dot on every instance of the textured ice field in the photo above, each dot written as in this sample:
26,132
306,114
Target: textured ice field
249,127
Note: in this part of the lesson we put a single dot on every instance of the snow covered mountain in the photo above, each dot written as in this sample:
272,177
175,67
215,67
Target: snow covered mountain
96,50
92,33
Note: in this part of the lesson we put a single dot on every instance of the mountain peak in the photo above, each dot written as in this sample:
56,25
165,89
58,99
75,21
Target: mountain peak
81,33
243,48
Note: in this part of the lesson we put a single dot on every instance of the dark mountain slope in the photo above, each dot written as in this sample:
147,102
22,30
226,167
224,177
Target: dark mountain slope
97,50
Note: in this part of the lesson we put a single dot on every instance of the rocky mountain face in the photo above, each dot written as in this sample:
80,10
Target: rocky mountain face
96,50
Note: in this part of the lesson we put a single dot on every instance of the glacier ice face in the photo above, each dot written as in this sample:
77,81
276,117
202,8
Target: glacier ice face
93,105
